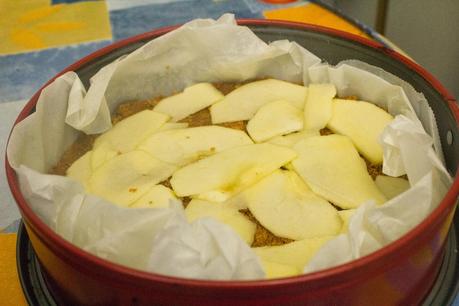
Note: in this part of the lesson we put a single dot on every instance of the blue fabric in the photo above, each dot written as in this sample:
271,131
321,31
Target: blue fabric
21,75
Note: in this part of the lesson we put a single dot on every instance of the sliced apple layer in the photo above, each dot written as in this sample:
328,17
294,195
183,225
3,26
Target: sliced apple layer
126,177
81,170
345,216
275,119
284,205
183,146
333,169
193,99
173,126
295,254
277,270
230,171
225,214
391,186
318,106
291,139
158,196
363,123
243,102
126,135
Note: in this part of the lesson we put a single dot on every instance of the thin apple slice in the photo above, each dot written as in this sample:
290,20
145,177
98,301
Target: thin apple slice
126,135
243,102
277,270
230,171
183,146
391,186
81,170
284,205
291,139
318,106
158,196
275,119
333,169
363,123
296,254
103,153
225,214
173,126
345,216
126,177
193,99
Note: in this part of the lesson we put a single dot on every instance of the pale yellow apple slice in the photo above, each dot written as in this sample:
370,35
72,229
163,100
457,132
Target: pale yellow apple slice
318,106
183,146
81,170
243,102
333,169
173,126
126,177
126,135
275,119
230,171
345,216
391,186
363,123
157,196
225,214
277,270
291,139
296,254
102,153
284,205
193,99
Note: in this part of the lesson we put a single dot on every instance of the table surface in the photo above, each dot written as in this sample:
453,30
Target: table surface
41,37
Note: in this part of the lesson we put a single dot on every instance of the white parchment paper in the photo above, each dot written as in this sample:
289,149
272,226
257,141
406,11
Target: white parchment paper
161,240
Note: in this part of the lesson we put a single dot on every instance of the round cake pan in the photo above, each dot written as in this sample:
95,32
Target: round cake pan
402,273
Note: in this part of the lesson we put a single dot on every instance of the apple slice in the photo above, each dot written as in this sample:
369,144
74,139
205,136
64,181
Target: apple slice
277,270
363,123
230,171
103,153
173,126
291,139
81,170
183,146
126,135
318,106
345,216
391,186
243,102
126,177
225,214
283,204
193,99
333,169
274,119
296,254
157,196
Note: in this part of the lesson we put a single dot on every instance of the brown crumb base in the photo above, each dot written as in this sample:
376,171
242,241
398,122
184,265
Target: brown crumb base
127,109
226,88
237,125
82,145
263,237
373,170
325,132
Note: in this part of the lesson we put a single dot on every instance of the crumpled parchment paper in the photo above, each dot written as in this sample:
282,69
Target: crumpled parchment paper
161,240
